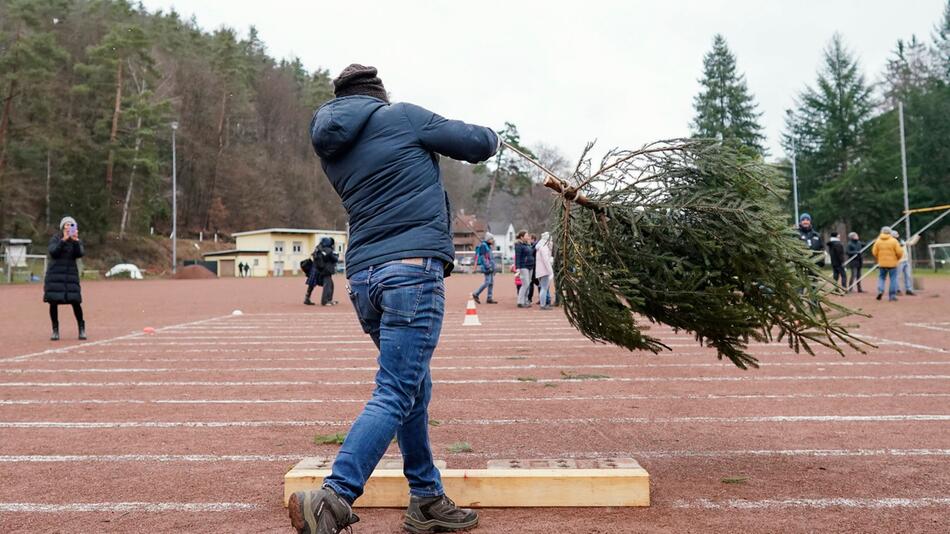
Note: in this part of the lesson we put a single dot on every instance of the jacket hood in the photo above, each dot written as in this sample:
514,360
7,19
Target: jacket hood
339,122
885,237
326,242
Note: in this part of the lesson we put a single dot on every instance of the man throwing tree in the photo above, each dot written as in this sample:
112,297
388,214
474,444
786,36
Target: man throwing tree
382,159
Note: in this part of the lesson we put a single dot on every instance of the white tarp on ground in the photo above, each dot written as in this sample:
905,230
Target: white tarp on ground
134,272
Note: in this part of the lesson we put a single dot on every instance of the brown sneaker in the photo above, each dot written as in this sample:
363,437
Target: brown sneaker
437,514
320,512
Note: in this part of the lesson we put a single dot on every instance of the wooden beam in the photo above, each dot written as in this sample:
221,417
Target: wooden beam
504,484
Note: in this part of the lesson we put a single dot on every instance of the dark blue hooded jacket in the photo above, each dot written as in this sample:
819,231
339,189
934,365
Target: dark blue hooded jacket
382,160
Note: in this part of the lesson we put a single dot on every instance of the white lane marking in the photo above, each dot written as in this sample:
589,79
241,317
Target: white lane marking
524,367
884,341
490,422
33,508
446,400
167,458
930,326
85,344
210,383
837,502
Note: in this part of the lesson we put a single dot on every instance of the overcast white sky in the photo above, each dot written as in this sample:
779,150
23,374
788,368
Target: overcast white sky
623,72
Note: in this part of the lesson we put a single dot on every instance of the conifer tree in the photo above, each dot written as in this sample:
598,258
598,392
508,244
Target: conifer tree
725,109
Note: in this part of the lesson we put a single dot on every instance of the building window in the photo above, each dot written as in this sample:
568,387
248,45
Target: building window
256,262
279,247
298,247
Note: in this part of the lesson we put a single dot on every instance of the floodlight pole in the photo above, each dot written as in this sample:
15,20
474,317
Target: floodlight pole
174,201
794,169
900,115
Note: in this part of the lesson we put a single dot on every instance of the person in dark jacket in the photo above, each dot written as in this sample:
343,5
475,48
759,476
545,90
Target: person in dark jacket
811,238
314,276
383,161
855,260
836,252
324,261
62,275
524,262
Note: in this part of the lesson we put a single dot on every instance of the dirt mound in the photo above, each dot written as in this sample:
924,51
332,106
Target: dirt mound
194,272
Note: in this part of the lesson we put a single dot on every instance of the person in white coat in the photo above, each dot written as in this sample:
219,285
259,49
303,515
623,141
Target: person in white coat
544,268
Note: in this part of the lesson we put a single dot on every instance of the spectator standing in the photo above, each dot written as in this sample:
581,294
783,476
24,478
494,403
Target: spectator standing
836,252
524,261
888,253
855,261
544,269
903,267
61,285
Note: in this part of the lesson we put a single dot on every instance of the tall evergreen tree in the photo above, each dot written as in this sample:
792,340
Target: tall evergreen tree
941,39
827,129
725,109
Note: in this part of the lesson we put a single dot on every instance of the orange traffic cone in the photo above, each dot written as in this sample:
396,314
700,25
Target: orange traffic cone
471,315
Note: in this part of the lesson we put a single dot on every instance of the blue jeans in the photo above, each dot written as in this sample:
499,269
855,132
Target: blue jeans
903,274
884,271
401,306
545,296
488,283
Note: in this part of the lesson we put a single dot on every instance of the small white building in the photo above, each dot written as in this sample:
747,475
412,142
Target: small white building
273,251
504,239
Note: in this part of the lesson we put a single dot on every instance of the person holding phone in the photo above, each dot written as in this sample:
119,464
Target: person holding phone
62,275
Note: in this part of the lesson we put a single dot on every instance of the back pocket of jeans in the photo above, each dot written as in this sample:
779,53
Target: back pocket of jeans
400,304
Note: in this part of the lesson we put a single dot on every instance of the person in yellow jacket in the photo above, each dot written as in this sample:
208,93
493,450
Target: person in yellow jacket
888,252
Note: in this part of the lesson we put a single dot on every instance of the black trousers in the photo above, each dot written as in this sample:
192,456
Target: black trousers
855,275
327,296
54,313
839,276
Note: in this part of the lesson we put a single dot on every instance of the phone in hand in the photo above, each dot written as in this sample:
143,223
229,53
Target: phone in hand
74,230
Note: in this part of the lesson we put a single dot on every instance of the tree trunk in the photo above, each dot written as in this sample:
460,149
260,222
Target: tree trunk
4,123
128,192
217,157
115,124
49,173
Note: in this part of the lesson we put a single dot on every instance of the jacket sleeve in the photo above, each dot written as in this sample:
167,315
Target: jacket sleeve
875,248
455,139
898,250
78,250
56,246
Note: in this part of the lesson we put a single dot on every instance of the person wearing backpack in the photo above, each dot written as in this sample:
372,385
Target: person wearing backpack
485,261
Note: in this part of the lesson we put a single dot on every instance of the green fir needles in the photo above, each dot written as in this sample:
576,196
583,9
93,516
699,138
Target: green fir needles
688,233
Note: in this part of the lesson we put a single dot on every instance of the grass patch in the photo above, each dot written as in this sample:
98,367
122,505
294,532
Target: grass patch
516,358
571,375
527,379
330,439
434,422
461,446
734,480
550,385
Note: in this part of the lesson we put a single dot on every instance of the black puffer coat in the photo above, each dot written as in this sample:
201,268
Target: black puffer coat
62,275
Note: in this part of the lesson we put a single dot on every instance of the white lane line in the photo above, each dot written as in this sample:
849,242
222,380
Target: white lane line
930,326
86,344
838,502
211,383
197,458
492,400
490,422
525,367
33,508
884,341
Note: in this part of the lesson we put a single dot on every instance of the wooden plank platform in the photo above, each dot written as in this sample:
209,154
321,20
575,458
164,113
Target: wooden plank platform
504,484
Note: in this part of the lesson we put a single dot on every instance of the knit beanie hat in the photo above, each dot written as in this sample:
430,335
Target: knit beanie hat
489,236
804,217
66,219
359,80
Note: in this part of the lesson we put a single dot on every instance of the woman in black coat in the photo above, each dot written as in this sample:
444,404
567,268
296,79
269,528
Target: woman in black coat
62,275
